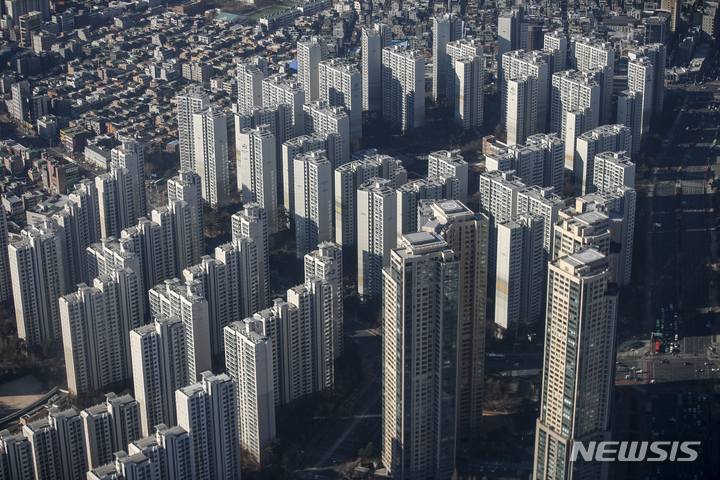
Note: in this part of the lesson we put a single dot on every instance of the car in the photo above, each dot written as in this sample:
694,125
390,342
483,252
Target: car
708,363
687,363
664,361
699,370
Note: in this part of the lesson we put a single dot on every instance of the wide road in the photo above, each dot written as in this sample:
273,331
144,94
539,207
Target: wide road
681,256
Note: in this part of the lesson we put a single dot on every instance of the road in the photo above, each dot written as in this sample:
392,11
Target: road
681,201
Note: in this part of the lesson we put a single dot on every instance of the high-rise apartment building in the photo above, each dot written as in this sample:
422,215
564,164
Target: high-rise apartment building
249,360
574,90
641,76
230,283
210,153
175,299
257,172
535,65
452,163
192,100
329,142
619,204
252,222
519,271
186,187
629,113
313,178
468,235
310,52
57,443
277,90
169,451
249,82
109,427
420,358
446,28
341,86
607,138
469,84
520,108
131,156
159,367
208,411
578,368
96,323
657,54
613,170
376,233
403,87
592,55
320,117
366,164
326,264
556,44
16,461
537,162
512,35
6,286
37,268
455,50
374,39
444,187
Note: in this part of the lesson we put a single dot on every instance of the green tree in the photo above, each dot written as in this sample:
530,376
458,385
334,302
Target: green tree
367,450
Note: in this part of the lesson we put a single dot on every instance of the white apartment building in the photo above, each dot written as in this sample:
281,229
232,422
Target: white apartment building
249,82
607,138
556,44
310,52
457,49
613,170
208,412
58,445
250,364
211,155
257,172
629,113
409,196
109,427
580,301
588,55
520,108
446,28
16,456
374,39
536,64
37,269
403,87
326,264
469,82
230,284
320,117
641,77
376,233
341,86
173,298
131,156
96,323
452,163
313,181
159,367
190,237
192,100
573,90
329,142
169,451
519,271
537,162
277,90
251,222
